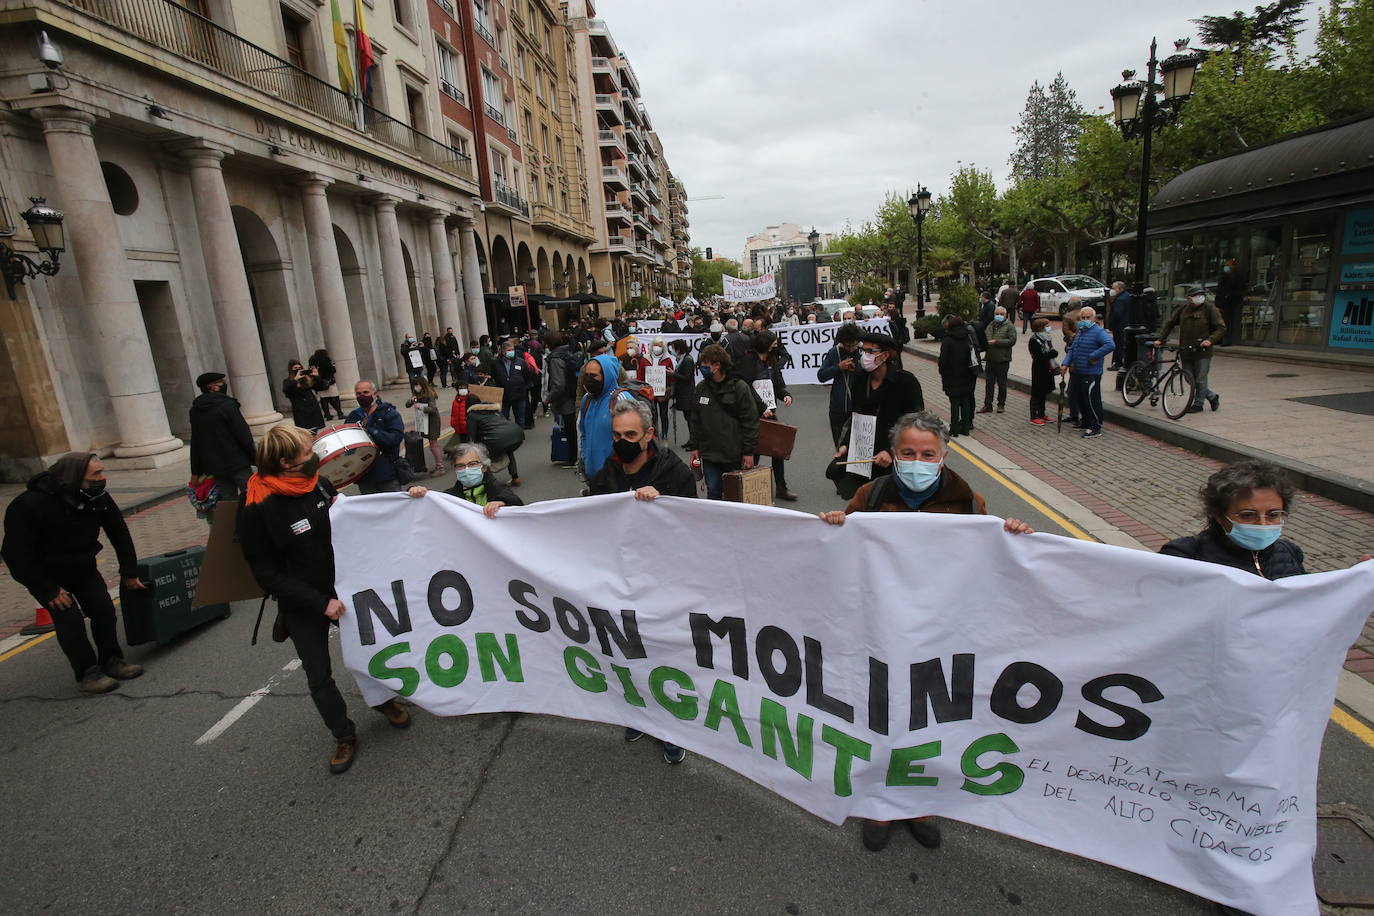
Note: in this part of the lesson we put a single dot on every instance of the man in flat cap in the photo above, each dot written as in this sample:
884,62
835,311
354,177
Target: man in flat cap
221,444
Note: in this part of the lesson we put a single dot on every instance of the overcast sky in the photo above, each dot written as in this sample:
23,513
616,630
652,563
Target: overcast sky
808,111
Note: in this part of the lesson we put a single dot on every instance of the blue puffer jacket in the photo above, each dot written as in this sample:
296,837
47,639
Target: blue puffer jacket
1085,353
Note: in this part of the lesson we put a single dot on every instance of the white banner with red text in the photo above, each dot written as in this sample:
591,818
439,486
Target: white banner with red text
1161,715
755,290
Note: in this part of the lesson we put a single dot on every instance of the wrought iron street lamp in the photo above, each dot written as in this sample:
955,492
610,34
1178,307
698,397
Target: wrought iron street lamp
918,206
45,224
814,240
1139,111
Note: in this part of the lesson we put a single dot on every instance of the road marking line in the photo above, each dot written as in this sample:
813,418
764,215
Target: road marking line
1039,506
1353,725
12,646
247,703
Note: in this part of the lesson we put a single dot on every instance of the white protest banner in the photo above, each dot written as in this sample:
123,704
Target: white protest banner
415,359
807,344
657,377
764,387
755,290
665,302
863,428
644,326
1158,714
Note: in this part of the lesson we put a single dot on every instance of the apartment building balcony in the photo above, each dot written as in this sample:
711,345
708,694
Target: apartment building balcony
654,215
604,65
609,107
452,92
637,189
484,32
616,212
613,176
651,189
619,243
172,28
627,74
609,139
507,196
640,221
636,168
447,8
653,169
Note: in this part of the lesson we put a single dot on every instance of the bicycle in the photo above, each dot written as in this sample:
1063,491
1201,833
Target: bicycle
1147,377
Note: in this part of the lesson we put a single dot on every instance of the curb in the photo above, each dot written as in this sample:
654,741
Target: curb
1342,488
148,502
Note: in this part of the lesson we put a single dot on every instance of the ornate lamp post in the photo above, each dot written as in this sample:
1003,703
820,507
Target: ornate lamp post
918,206
45,224
814,240
1139,111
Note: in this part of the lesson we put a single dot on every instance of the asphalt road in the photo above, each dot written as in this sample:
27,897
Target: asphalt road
110,804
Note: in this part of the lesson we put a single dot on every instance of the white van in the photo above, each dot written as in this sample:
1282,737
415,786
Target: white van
837,307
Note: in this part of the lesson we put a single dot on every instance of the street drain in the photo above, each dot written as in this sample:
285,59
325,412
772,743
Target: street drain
1344,867
1282,375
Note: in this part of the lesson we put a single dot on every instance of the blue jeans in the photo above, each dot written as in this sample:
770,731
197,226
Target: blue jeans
1086,392
518,406
714,475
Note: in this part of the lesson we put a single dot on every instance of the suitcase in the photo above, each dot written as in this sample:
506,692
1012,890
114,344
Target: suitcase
753,486
167,607
560,450
776,439
415,452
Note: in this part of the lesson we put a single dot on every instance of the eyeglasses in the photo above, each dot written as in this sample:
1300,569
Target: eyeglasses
470,464
1251,517
873,352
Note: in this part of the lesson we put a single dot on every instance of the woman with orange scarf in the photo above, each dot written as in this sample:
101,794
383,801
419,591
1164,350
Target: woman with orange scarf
284,529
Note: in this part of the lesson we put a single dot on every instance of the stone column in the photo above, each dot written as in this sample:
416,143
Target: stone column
329,286
394,273
229,296
472,278
111,313
455,262
445,290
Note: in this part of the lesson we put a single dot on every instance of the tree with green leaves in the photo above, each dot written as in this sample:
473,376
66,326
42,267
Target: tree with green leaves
1047,132
1272,27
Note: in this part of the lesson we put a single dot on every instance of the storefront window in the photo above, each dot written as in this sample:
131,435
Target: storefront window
1163,252
1222,245
1192,265
1260,270
1306,283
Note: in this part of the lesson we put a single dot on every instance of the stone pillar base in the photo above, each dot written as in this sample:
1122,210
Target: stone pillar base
147,449
143,462
261,424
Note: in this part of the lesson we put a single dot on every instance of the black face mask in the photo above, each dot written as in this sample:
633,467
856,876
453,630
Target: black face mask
593,385
93,490
626,450
312,465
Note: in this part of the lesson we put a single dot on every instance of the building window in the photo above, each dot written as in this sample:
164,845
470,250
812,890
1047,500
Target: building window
459,144
521,65
509,110
529,126
548,40
563,200
415,108
491,95
539,82
544,138
558,150
450,70
549,196
293,29
500,166
401,9
482,19
501,48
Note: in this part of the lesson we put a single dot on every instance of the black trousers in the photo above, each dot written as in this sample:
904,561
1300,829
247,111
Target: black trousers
233,486
93,602
310,635
836,425
996,378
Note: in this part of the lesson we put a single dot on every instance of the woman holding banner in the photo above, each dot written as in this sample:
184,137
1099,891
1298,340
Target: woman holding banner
658,356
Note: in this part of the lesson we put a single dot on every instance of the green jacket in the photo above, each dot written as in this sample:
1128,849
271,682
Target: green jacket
1195,324
724,420
1001,341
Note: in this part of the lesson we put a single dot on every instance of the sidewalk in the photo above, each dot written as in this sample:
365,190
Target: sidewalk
1315,421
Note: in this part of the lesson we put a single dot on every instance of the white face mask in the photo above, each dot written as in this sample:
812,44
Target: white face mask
869,361
657,351
1197,300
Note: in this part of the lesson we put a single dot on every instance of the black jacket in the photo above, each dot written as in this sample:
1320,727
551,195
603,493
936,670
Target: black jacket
305,406
724,421
514,378
664,470
221,444
562,366
1279,560
287,542
684,384
957,376
50,534
898,395
841,380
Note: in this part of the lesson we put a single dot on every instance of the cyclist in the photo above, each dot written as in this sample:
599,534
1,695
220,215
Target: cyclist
1200,325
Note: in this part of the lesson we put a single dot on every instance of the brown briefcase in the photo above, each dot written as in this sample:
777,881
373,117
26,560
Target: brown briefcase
776,439
489,394
753,486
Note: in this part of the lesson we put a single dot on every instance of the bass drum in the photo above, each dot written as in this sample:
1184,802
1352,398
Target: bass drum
346,453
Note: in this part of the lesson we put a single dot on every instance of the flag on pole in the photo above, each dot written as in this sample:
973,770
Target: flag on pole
366,59
343,58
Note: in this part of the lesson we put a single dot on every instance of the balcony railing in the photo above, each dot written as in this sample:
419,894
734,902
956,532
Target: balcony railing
452,91
484,32
173,28
618,241
447,8
494,113
614,174
503,193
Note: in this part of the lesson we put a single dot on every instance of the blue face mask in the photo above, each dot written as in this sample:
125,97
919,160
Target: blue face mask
918,476
469,477
1254,537
1084,324
999,318
705,371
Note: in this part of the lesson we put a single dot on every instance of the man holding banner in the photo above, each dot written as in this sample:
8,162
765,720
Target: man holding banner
724,429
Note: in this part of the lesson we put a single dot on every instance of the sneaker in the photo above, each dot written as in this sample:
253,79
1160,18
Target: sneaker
1037,421
875,834
1194,408
395,713
633,734
1092,433
1001,408
672,754
986,409
1215,401
344,753
925,831
122,670
96,681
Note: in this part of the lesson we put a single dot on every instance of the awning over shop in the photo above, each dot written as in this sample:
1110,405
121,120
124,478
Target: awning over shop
1254,216
592,298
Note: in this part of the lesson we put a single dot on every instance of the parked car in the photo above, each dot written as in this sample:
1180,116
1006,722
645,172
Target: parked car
837,307
1055,292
